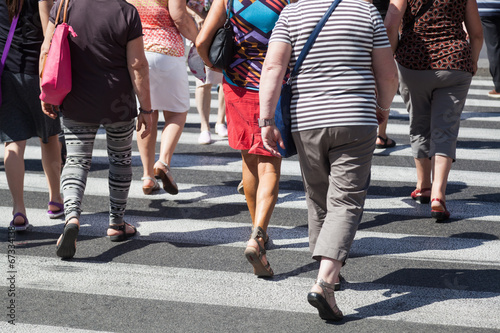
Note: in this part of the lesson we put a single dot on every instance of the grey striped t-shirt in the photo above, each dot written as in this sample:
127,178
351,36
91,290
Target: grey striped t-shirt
335,85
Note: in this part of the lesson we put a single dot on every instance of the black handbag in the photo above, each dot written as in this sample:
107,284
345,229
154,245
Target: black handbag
222,49
282,116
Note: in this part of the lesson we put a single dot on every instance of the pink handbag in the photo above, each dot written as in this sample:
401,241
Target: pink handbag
56,73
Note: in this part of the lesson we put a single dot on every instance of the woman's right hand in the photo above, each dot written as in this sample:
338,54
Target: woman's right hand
50,110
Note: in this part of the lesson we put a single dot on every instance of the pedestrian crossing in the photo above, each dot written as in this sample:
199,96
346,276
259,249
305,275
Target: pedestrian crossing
185,271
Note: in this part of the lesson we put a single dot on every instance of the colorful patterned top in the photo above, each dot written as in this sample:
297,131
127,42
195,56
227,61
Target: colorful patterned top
253,22
160,33
437,40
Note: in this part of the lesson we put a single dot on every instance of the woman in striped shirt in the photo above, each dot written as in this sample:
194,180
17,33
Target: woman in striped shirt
334,112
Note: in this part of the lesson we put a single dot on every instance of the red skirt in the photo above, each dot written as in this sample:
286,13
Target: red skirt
242,116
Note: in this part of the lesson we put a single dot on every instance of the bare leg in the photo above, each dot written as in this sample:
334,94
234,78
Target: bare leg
329,270
51,161
14,170
203,96
174,124
382,133
221,115
441,170
147,150
424,167
261,181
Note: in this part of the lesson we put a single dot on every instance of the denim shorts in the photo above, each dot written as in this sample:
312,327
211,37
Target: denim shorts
21,115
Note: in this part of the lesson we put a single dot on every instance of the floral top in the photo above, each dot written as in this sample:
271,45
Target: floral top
160,33
437,39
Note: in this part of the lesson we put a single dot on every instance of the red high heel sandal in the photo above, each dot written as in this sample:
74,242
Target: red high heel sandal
418,195
440,215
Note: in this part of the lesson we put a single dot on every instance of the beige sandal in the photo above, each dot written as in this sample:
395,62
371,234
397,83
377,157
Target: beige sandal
319,301
169,184
254,256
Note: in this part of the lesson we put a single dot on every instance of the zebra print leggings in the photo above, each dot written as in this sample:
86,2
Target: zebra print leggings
80,138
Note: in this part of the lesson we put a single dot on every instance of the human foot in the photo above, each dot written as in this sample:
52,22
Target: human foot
162,171
55,209
438,210
422,196
322,297
120,232
19,222
256,253
66,244
149,185
384,142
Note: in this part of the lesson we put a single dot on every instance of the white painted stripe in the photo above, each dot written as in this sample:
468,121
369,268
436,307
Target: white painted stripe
203,232
401,113
402,149
491,134
472,154
452,306
29,328
487,102
291,168
217,195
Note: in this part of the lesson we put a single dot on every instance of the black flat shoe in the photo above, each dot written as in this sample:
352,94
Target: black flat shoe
326,312
66,248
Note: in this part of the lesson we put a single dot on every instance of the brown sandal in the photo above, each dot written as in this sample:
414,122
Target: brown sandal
254,256
169,184
326,312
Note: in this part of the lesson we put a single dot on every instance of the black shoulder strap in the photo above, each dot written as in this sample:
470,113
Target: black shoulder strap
421,12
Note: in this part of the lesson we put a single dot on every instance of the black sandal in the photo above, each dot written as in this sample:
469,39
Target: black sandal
124,235
385,145
254,257
326,312
66,248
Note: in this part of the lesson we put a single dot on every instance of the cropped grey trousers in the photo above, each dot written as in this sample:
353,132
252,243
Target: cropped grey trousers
435,100
336,164
80,139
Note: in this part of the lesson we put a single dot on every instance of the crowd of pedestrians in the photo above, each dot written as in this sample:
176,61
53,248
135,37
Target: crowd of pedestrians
125,71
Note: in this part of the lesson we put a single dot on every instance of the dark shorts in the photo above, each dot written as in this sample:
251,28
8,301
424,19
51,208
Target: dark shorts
242,114
21,115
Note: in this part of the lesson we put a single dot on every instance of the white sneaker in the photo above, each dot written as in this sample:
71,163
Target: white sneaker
221,130
205,138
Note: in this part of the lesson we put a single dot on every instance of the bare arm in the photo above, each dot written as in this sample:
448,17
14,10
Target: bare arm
474,30
273,71
392,21
182,20
48,109
215,20
44,10
386,80
139,74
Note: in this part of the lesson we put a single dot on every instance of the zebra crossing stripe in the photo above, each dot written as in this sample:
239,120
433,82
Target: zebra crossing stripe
208,232
456,305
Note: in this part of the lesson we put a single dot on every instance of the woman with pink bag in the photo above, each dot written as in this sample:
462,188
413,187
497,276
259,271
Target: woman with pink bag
108,69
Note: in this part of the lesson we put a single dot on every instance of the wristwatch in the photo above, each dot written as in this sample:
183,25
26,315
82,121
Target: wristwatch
266,122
